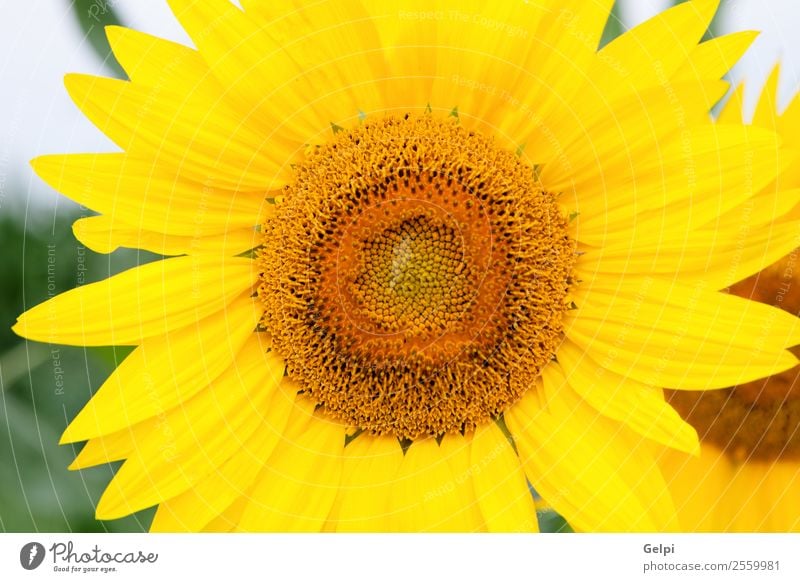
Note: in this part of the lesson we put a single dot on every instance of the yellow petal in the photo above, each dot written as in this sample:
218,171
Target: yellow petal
484,64
152,61
789,124
165,371
603,142
198,506
690,181
780,491
750,516
558,55
733,110
766,113
198,437
207,142
701,487
145,301
226,522
665,333
504,498
297,487
261,73
105,234
639,58
105,449
713,58
334,45
142,194
433,490
589,469
726,251
640,407
369,473
474,59
565,43
629,94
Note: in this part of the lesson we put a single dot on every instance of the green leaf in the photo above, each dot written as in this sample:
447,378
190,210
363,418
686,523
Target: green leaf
552,522
614,26
43,386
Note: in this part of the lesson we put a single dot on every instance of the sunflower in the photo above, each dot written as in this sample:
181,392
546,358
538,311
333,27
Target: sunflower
747,477
420,261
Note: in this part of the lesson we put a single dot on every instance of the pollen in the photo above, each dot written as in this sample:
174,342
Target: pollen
414,277
758,420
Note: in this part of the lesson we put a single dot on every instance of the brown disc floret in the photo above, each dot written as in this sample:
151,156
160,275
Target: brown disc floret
414,277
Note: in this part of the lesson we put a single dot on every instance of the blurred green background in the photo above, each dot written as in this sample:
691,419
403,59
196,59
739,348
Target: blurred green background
42,387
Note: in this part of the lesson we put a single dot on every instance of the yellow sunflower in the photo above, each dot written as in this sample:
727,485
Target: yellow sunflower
424,258
747,477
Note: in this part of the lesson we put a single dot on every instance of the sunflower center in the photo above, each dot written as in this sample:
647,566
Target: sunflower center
415,277
759,420
412,276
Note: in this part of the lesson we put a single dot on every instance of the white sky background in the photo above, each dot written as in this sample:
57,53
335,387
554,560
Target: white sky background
40,41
